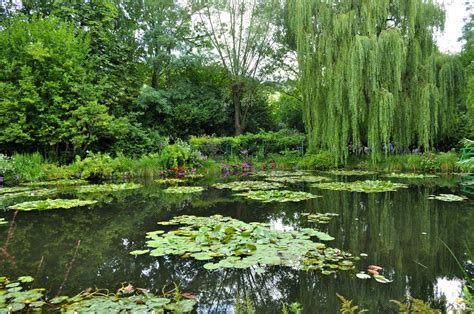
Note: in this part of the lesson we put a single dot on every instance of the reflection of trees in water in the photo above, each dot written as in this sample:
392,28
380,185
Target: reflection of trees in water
389,228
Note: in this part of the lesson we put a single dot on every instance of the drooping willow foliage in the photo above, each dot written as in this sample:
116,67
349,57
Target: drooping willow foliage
371,73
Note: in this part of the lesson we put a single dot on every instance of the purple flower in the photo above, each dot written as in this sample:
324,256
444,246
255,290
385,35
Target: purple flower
245,165
244,152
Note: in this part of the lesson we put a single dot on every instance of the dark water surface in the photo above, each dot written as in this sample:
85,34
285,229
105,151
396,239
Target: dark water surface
401,231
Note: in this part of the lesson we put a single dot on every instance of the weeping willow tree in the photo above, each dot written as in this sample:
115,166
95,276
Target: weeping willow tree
371,73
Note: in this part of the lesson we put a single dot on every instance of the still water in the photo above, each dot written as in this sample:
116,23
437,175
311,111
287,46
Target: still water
401,231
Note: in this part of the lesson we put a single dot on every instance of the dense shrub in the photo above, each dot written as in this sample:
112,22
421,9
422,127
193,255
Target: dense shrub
262,143
319,161
98,167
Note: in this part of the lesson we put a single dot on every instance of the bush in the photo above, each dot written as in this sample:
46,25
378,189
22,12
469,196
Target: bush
175,155
262,143
320,161
98,167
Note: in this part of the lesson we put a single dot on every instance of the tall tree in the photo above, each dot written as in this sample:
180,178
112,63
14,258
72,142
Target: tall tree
241,33
371,73
467,57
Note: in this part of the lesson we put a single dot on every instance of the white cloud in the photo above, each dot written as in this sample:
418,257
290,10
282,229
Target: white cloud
456,12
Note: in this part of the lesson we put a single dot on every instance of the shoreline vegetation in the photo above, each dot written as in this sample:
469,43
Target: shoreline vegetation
213,155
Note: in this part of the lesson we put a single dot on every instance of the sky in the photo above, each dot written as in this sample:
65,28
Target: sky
455,14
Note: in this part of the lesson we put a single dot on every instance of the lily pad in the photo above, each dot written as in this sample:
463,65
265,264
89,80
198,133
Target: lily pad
100,188
139,252
248,185
448,197
57,182
15,189
363,275
351,172
321,218
184,189
229,243
367,186
409,175
278,196
169,181
51,204
298,179
3,221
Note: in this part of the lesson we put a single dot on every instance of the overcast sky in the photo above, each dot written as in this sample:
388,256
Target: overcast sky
455,14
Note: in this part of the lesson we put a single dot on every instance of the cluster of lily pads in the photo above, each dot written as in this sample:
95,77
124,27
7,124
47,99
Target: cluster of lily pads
100,188
57,182
297,179
320,218
278,196
409,175
230,243
169,181
30,193
448,197
351,172
248,185
15,297
279,173
184,189
367,186
51,204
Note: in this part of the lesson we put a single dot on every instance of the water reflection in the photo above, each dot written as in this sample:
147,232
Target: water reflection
401,231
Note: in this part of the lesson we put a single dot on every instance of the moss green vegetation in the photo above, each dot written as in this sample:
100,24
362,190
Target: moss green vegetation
99,188
242,245
320,218
382,82
351,172
277,196
409,175
297,179
51,204
248,185
183,189
17,297
361,186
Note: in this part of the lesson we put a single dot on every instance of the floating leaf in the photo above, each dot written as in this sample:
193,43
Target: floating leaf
362,276
409,175
25,279
381,279
51,204
184,189
351,172
448,198
361,186
99,188
278,196
139,252
297,179
248,185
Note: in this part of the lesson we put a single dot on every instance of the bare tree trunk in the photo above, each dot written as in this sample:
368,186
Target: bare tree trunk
237,100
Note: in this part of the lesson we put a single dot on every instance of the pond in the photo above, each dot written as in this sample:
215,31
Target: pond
69,250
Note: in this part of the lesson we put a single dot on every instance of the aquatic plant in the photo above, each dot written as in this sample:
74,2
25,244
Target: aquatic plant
15,189
30,193
320,218
298,179
242,245
448,197
184,189
169,181
278,196
99,188
57,182
351,172
409,175
367,186
279,173
3,221
17,297
51,204
248,185
347,307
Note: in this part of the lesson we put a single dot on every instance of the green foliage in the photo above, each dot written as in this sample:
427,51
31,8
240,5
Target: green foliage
51,204
361,186
49,97
415,306
278,196
107,188
296,179
183,189
370,82
28,167
248,185
97,167
242,245
321,161
447,198
347,307
261,143
175,155
17,297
